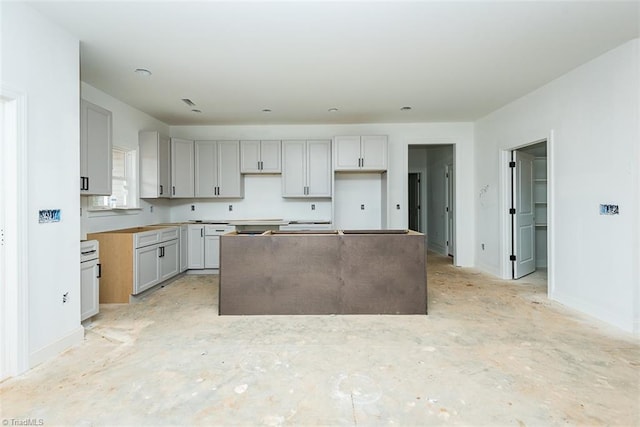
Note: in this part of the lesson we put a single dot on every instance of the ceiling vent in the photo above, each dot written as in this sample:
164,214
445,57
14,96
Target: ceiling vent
189,102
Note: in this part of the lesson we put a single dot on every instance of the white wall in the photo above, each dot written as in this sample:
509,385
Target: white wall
400,137
42,61
593,117
127,122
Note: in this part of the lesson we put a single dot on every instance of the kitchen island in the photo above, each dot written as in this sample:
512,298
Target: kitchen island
323,272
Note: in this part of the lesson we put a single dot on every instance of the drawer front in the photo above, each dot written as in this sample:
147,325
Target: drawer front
218,229
89,249
170,233
146,238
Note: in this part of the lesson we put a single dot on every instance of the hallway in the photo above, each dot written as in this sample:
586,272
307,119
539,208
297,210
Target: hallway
490,352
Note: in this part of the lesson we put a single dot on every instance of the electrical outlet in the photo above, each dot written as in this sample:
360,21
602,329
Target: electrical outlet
482,245
398,206
151,209
230,208
65,297
193,207
362,207
313,207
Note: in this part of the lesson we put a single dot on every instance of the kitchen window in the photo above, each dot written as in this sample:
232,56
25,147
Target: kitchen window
124,185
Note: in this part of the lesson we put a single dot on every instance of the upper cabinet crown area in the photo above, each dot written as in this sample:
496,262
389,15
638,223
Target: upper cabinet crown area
260,157
360,153
95,149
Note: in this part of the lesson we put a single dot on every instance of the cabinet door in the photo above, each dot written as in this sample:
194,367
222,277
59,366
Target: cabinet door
182,168
89,289
270,156
95,149
250,156
155,165
164,166
294,171
229,178
212,252
374,153
206,169
195,248
184,247
319,168
347,153
146,268
169,259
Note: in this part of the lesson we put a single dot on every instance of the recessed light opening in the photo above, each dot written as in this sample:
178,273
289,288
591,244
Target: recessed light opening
196,110
189,102
405,108
266,110
332,110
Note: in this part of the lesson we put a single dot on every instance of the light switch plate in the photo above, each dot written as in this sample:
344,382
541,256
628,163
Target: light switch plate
606,209
49,215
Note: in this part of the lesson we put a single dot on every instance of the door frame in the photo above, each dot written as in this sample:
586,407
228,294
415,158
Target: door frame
505,203
450,202
420,202
14,301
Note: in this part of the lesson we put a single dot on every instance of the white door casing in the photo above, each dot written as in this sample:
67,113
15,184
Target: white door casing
524,243
14,348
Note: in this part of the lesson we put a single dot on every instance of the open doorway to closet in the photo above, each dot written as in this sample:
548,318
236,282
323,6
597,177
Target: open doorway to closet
431,195
528,211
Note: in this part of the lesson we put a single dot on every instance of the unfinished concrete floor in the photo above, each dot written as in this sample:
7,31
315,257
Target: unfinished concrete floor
490,352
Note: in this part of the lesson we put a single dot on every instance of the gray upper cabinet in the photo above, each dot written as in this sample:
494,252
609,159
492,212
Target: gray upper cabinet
155,165
360,153
182,168
95,149
217,169
260,156
306,168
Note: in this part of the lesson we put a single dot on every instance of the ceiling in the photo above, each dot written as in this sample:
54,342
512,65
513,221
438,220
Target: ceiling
448,61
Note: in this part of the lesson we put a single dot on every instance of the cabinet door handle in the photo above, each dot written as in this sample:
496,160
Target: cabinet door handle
161,190
87,178
202,232
99,271
174,190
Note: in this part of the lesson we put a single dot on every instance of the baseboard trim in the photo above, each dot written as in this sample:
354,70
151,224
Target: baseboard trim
55,348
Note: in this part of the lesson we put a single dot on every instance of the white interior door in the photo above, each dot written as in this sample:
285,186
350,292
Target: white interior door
524,231
450,175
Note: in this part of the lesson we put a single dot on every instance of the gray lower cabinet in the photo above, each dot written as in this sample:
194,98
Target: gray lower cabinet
156,263
136,259
204,245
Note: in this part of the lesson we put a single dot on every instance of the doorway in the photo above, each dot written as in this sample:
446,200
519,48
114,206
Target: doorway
528,211
13,235
415,199
434,167
450,207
